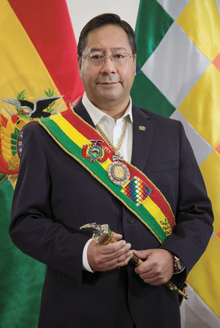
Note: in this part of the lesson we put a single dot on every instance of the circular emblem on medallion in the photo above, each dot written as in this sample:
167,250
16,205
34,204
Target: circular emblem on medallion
118,173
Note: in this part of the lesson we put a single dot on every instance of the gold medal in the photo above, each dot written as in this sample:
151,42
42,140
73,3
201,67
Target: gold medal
118,173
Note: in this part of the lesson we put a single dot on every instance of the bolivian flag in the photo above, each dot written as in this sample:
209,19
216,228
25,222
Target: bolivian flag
39,78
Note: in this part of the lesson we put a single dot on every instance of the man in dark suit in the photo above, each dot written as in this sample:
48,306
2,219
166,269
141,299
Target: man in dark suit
86,284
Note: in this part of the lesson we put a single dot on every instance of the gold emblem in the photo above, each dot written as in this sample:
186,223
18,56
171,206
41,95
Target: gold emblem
118,172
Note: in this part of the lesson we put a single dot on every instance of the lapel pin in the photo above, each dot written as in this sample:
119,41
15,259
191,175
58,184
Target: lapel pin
142,128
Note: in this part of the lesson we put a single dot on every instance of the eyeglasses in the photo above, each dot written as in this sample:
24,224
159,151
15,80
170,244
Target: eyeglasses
98,59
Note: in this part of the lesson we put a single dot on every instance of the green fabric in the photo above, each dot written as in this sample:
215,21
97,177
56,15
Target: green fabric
21,277
100,173
146,95
150,31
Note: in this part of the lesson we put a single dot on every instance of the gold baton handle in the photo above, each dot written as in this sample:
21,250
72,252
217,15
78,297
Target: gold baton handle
173,287
103,236
136,261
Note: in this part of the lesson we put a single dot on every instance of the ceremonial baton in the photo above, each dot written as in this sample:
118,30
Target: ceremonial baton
102,235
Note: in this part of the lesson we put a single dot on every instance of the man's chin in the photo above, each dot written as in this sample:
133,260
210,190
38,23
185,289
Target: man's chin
110,94
110,98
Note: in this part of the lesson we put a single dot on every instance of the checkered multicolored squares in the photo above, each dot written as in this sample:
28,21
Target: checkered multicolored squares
136,190
178,76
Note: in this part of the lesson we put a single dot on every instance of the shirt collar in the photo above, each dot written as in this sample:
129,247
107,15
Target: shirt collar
96,114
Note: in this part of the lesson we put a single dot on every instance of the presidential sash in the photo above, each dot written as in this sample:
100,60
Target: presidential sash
82,142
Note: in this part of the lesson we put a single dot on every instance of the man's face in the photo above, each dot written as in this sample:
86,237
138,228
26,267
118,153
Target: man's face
108,85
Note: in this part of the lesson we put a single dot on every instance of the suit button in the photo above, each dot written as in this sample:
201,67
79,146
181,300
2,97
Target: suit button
131,220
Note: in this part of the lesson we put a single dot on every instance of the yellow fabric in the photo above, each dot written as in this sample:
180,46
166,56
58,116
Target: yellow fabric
80,140
202,106
200,20
75,136
106,164
21,66
210,169
204,278
154,210
5,135
70,131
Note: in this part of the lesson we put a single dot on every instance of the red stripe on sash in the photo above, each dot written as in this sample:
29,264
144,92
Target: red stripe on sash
86,130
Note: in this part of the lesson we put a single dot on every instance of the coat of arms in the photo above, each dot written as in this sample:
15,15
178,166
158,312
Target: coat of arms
21,112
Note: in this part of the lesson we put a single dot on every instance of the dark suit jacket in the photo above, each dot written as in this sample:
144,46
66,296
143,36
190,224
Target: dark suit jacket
55,195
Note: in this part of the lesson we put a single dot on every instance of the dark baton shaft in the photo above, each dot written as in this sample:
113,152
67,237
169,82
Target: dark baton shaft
102,235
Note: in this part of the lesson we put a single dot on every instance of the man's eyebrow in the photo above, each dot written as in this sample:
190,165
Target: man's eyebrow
95,49
101,49
119,48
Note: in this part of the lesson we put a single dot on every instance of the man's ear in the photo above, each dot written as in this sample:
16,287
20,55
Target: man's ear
135,57
79,64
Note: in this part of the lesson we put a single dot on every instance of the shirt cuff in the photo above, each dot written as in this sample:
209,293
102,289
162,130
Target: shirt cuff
85,262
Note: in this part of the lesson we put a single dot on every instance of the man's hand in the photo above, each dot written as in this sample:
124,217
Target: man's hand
158,267
109,257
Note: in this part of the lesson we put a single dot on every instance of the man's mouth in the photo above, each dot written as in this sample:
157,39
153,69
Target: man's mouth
108,80
108,83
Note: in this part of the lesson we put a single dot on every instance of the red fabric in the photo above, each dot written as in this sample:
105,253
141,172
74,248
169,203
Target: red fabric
90,134
53,37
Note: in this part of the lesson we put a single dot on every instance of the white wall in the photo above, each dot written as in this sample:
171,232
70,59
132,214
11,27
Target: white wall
81,11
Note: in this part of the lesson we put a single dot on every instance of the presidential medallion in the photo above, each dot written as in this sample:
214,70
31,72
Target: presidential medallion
118,172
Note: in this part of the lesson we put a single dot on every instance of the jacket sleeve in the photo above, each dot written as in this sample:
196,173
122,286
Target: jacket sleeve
194,215
32,227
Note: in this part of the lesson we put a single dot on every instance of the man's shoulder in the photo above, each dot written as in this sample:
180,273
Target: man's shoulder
34,125
34,129
37,126
153,116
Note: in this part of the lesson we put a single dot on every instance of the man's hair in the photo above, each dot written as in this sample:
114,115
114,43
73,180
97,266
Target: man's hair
106,19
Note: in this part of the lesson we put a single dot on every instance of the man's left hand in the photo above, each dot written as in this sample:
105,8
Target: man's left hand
158,267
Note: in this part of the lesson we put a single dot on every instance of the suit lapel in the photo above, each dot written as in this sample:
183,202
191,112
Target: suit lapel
82,112
142,140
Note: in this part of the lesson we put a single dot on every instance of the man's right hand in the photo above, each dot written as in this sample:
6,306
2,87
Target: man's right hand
109,257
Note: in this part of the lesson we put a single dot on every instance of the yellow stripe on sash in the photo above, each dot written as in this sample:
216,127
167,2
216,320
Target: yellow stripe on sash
80,140
70,131
75,135
154,210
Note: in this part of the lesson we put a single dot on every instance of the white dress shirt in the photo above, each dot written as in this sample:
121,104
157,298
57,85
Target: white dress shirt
113,130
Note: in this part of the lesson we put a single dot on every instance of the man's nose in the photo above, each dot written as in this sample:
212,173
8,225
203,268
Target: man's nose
108,66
